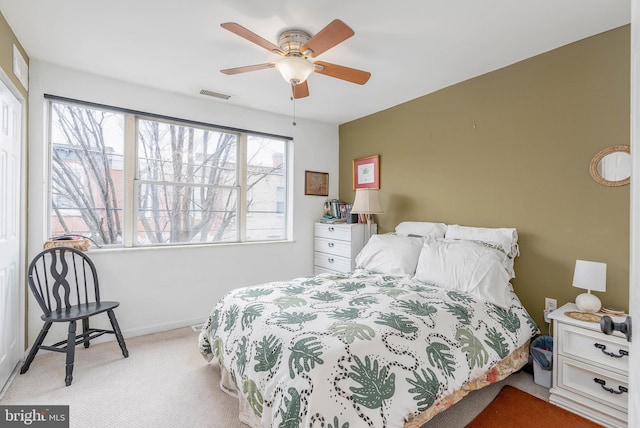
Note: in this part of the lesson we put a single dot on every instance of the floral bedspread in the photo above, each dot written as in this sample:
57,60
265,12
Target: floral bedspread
355,350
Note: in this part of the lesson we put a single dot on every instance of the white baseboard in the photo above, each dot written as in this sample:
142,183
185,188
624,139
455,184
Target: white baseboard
15,371
160,328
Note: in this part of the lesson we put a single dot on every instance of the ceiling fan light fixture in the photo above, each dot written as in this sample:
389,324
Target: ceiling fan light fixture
296,48
294,69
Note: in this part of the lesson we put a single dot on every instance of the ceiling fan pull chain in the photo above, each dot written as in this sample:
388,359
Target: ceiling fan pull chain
294,110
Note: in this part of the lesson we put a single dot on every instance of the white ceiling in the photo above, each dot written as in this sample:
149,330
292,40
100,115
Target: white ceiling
411,47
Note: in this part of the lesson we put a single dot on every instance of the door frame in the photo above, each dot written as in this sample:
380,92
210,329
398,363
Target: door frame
22,314
634,251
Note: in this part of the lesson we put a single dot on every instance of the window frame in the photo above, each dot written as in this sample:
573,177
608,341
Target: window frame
131,181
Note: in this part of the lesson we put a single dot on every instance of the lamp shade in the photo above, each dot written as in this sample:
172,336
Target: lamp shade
294,69
590,275
367,202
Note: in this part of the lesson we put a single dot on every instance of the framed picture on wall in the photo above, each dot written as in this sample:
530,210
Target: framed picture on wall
316,183
366,173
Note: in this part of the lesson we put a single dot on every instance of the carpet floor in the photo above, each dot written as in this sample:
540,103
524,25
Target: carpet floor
165,383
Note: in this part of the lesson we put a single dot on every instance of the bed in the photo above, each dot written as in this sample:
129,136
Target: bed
428,316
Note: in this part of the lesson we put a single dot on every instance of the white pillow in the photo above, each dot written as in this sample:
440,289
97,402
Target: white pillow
390,254
506,238
421,228
465,266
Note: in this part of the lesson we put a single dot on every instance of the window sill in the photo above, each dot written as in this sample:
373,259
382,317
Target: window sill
116,249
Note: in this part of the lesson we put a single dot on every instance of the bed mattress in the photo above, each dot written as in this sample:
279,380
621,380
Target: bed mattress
361,349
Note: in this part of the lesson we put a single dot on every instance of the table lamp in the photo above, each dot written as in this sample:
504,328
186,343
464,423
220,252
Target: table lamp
591,276
367,203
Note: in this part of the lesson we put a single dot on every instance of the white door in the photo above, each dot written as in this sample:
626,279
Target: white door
634,260
11,330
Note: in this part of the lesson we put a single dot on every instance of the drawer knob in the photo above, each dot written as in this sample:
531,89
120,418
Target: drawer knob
330,260
621,389
330,244
331,229
621,352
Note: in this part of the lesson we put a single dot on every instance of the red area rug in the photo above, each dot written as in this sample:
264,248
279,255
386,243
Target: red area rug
515,408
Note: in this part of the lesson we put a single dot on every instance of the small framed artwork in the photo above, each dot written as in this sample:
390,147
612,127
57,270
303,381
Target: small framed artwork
366,173
316,183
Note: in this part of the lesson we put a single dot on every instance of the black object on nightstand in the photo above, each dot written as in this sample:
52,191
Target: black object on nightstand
608,326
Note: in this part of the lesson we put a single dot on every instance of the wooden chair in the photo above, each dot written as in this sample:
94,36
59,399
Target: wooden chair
65,284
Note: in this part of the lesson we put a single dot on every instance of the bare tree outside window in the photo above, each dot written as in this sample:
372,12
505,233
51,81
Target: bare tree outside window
187,186
87,173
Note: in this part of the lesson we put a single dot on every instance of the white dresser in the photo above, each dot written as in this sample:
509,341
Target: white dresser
337,245
590,369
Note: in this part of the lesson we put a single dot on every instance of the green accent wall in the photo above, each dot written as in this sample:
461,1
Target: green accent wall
7,40
512,148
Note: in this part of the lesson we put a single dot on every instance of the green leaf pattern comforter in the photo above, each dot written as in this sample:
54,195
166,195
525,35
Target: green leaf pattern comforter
355,350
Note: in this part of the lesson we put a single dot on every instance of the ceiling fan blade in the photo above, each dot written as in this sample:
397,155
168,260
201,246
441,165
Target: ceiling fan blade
334,33
251,36
340,72
246,68
300,90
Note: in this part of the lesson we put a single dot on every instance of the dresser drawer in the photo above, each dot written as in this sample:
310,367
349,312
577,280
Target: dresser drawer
341,232
593,347
334,263
318,270
590,382
333,246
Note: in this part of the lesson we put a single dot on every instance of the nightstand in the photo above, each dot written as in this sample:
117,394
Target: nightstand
337,245
590,369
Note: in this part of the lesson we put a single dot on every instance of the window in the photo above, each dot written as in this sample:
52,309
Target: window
87,154
265,175
130,179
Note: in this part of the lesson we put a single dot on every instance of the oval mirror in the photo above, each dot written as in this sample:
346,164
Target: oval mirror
612,166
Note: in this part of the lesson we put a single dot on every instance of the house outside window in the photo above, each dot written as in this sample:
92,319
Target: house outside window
128,179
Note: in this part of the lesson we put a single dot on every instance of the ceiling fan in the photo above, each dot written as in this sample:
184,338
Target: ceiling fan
297,46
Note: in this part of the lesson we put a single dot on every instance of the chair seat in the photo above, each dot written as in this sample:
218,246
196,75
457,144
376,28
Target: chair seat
79,311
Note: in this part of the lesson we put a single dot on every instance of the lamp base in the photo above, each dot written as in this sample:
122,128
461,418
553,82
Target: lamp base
588,302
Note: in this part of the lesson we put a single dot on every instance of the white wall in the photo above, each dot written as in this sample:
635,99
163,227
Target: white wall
164,288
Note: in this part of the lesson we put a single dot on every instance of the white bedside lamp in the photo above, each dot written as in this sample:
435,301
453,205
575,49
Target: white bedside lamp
367,203
591,276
